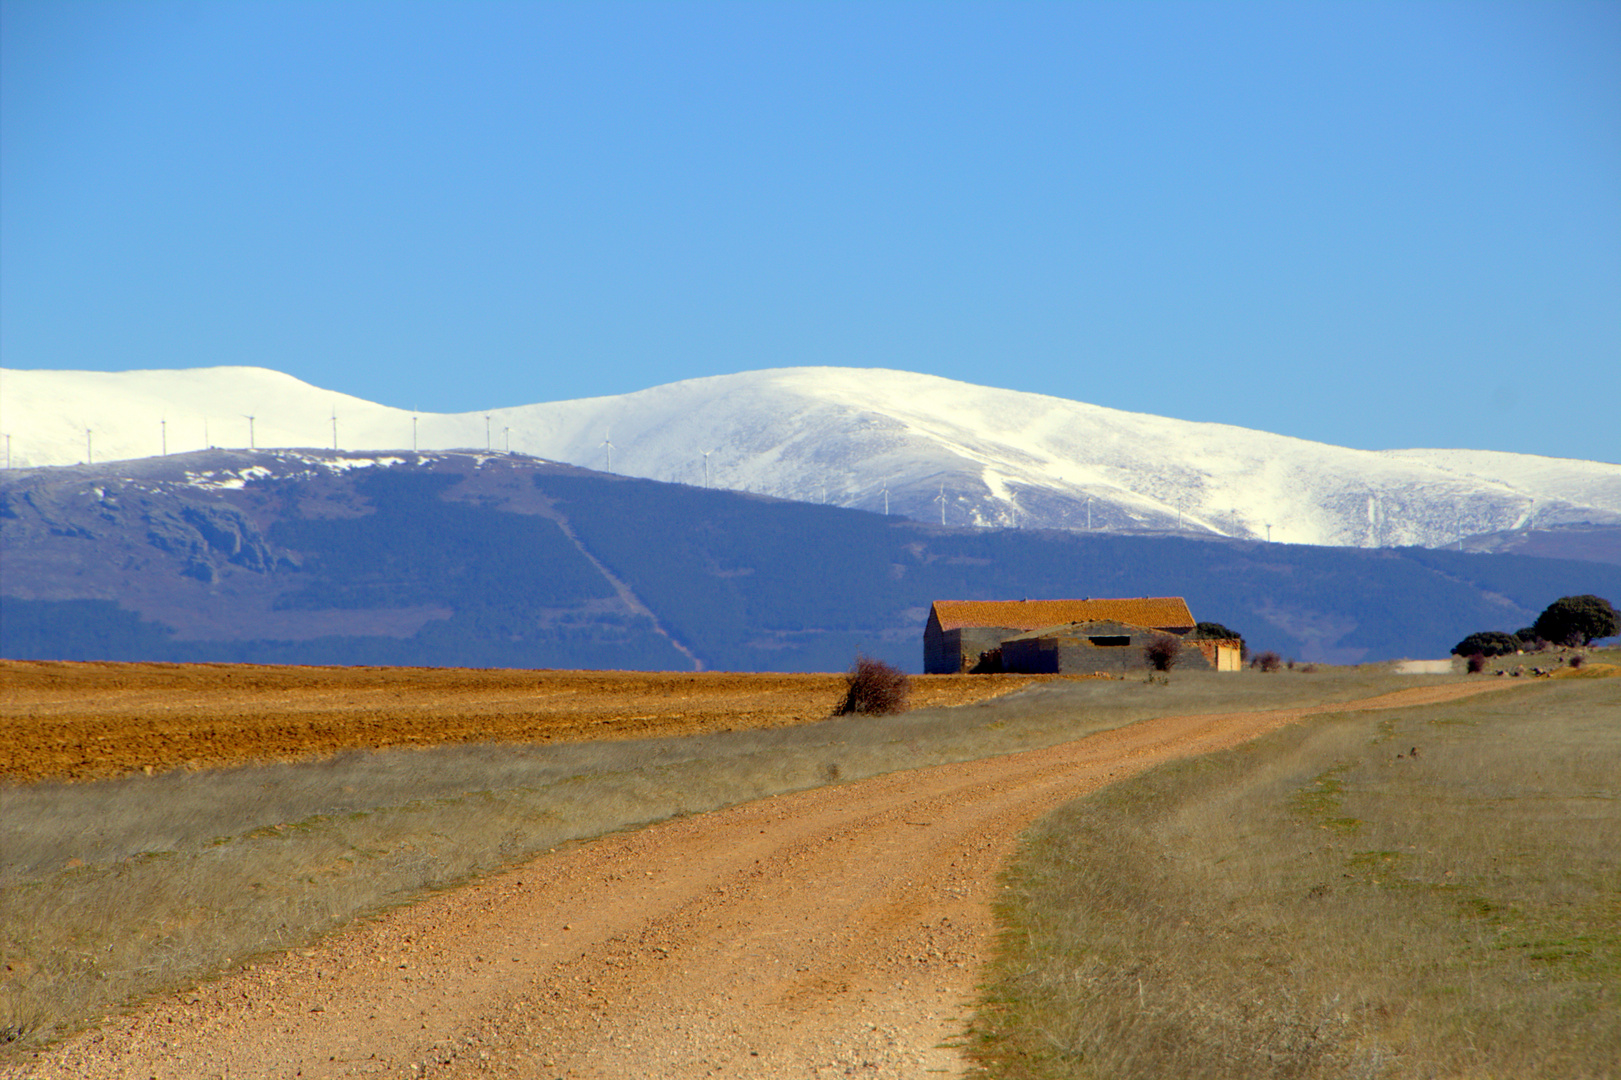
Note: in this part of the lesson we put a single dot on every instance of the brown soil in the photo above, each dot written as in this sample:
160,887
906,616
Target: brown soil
87,721
829,933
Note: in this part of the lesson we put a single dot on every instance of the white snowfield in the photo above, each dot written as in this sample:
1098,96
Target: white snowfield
856,437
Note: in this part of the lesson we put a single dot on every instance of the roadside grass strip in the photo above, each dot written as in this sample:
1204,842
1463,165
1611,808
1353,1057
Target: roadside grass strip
1435,893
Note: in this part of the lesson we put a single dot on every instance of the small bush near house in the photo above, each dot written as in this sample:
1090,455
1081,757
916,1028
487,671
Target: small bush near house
1161,652
1267,661
875,689
1475,664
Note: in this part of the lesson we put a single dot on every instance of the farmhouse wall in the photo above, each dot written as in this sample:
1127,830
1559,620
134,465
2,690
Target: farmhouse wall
960,632
951,651
1220,654
1083,648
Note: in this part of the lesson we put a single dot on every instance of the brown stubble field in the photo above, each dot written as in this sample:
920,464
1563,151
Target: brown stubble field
95,721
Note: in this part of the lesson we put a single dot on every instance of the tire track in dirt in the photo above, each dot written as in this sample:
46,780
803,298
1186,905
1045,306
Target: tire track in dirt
829,933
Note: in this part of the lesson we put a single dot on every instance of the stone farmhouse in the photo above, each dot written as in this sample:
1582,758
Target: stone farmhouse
1058,636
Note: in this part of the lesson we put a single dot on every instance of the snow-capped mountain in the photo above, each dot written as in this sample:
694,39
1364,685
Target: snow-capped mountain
918,445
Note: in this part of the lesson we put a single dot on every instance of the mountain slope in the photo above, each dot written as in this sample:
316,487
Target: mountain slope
926,447
498,560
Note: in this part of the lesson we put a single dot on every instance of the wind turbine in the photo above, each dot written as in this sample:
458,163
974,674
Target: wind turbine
941,499
886,500
506,439
1269,532
607,440
486,431
706,454
251,445
163,429
334,427
88,459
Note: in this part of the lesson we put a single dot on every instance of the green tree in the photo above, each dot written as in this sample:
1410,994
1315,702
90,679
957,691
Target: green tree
1487,643
1578,620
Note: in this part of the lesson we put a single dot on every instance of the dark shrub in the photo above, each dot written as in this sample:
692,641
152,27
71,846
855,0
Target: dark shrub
1216,632
875,688
1161,652
1578,660
1267,661
1487,643
1578,620
989,663
1475,664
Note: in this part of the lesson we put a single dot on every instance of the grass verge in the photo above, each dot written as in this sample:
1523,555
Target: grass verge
1327,902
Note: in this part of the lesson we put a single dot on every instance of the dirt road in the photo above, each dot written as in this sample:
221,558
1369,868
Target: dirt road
835,932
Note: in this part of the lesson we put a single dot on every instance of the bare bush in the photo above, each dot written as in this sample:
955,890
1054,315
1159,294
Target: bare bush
875,689
1268,661
1475,664
1162,652
1577,660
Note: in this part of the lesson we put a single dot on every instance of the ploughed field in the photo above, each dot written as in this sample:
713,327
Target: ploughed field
89,721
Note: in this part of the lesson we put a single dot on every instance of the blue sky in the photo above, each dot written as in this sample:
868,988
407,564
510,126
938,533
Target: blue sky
1378,225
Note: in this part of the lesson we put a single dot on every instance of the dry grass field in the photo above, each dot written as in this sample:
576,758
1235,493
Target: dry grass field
1434,893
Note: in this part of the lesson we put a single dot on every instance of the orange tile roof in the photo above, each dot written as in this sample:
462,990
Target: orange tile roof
1159,612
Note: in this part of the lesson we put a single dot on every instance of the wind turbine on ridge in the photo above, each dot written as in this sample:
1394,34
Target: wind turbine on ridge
607,440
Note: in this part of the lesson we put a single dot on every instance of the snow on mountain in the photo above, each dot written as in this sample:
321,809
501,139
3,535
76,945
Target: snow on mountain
860,437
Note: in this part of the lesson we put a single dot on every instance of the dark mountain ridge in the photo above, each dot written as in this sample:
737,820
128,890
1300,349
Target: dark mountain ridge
481,559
